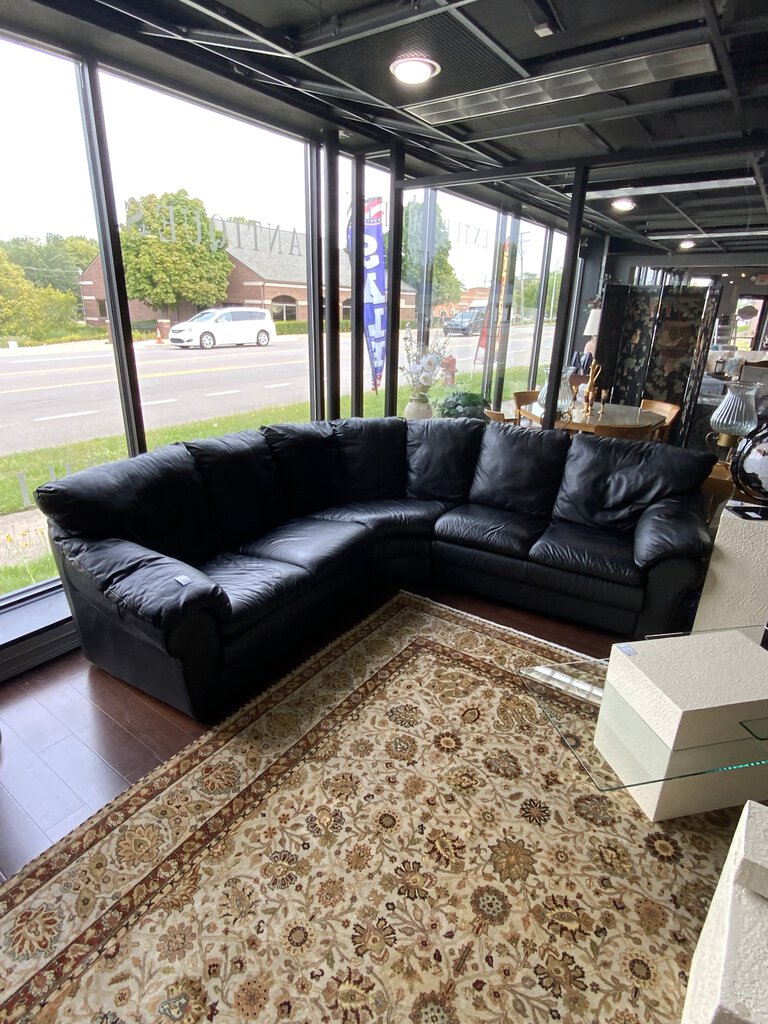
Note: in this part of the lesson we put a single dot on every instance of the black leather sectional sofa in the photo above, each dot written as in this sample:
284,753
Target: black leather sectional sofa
184,567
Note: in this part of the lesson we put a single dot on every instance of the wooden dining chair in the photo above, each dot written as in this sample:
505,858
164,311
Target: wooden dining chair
639,432
668,410
521,398
496,415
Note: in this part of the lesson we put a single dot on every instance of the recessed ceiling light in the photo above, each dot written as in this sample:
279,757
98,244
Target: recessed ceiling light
414,70
743,274
724,275
624,204
687,243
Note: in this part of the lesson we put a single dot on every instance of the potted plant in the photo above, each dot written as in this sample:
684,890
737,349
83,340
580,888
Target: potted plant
463,403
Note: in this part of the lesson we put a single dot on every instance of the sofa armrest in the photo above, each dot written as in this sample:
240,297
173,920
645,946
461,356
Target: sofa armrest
160,591
674,527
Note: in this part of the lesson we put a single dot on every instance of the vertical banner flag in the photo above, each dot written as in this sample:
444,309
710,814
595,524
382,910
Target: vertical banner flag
374,289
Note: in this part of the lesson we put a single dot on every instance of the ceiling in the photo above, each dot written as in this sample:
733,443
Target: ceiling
662,100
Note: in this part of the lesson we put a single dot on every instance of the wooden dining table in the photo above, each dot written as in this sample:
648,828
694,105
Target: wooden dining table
607,413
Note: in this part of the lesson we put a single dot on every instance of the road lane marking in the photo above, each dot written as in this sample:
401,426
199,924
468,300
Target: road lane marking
149,376
160,401
287,384
215,394
65,415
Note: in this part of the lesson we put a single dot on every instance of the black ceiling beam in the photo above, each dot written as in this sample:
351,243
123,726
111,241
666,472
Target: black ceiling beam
367,21
757,142
663,106
225,40
726,66
488,41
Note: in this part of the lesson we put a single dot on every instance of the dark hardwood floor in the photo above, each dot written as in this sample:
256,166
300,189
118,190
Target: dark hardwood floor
74,737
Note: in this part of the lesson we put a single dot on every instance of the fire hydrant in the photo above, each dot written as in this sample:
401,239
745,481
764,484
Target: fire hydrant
449,370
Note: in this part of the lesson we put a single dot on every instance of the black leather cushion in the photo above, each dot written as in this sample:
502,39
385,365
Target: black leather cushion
373,457
241,480
319,546
255,587
156,499
607,554
490,529
160,590
609,481
308,464
672,528
389,518
519,469
442,455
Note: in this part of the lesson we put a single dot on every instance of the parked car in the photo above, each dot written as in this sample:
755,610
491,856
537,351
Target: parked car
230,325
468,321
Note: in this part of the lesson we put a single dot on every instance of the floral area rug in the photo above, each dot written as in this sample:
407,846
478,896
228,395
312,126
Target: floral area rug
393,833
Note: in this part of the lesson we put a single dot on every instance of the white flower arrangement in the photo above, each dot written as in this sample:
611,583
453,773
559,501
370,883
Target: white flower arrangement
421,372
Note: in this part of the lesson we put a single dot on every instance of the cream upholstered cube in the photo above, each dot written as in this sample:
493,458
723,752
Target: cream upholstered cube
727,983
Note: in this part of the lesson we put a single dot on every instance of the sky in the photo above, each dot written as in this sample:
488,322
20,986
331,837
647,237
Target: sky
159,143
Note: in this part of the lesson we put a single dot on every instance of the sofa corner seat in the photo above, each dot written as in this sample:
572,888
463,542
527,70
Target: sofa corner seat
189,568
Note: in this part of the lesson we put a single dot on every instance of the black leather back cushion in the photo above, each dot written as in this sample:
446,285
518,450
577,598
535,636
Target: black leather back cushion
609,481
308,464
519,469
156,499
441,455
240,478
373,458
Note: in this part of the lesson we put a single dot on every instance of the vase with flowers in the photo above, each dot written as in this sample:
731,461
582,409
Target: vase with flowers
421,371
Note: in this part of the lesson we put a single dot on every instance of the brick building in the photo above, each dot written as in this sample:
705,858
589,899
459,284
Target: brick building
269,270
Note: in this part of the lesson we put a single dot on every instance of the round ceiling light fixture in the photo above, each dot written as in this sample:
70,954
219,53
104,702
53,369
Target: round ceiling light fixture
623,204
687,243
414,70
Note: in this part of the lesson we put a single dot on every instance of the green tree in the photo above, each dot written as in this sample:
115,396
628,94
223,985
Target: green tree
26,310
446,286
83,251
46,263
171,254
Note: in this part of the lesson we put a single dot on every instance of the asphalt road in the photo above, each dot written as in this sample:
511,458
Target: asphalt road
56,394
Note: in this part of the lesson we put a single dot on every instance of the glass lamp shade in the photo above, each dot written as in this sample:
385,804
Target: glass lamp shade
736,416
564,396
592,325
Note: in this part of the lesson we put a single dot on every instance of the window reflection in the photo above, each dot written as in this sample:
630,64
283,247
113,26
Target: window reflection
212,215
60,406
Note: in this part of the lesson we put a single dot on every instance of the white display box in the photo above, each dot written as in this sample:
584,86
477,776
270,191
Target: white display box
735,590
672,711
693,690
727,982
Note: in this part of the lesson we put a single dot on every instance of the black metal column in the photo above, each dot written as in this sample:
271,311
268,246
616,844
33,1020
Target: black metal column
331,274
567,287
357,258
541,309
314,282
108,231
394,274
507,305
494,299
424,299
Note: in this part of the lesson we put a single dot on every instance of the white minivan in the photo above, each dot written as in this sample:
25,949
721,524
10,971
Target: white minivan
230,325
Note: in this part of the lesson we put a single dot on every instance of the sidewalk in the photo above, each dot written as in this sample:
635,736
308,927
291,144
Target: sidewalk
23,537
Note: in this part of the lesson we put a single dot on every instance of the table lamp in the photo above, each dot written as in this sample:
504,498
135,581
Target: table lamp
591,328
734,418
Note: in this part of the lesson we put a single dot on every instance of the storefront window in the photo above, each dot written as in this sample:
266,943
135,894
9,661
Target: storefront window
220,227
60,406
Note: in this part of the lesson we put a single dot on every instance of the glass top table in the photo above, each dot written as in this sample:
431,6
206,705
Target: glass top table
607,414
571,693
